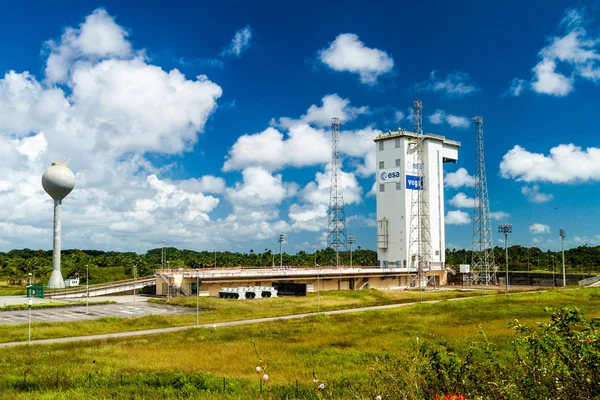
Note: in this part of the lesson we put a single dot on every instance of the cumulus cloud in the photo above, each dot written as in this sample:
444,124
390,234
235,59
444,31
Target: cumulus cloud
534,195
457,218
538,228
240,42
499,215
304,142
348,53
440,116
459,179
572,56
566,163
112,108
461,200
455,84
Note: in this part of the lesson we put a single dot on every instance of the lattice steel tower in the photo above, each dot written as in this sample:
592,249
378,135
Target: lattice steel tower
420,237
337,219
483,267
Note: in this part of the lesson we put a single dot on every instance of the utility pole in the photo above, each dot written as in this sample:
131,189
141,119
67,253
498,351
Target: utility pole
562,240
351,239
281,239
505,229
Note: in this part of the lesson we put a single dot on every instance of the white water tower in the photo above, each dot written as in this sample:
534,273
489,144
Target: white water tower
58,181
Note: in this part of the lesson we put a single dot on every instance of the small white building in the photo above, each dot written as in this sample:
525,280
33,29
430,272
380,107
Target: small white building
72,282
397,178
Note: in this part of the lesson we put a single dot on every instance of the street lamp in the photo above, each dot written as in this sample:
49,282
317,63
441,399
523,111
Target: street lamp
162,254
87,290
134,273
273,255
318,282
215,255
29,286
351,239
197,294
281,239
505,229
29,324
553,279
527,260
562,240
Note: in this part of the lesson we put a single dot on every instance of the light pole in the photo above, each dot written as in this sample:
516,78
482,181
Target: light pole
351,239
134,273
505,229
162,254
29,324
215,255
553,279
527,260
29,286
87,290
273,255
562,240
318,282
197,293
281,239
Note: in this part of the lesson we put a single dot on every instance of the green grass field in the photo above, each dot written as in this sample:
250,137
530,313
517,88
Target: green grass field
343,351
223,310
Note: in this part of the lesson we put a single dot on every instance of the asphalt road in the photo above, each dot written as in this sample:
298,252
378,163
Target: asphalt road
69,314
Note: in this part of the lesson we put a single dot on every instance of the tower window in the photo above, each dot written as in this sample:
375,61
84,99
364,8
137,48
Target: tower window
398,186
381,145
380,164
382,187
397,162
397,142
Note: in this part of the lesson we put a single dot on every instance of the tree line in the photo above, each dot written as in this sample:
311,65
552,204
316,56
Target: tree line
104,266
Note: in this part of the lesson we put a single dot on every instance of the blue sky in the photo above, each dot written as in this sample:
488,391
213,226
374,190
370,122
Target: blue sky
199,123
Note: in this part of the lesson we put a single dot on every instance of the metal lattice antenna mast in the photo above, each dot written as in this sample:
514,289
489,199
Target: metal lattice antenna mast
420,236
337,219
483,267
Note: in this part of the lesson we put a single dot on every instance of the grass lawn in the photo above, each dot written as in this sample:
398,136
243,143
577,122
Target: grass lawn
222,310
342,350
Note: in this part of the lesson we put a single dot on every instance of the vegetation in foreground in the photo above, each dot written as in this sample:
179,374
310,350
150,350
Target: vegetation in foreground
425,351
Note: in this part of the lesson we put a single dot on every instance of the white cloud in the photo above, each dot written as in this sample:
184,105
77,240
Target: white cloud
457,218
566,163
460,200
98,37
360,220
111,109
455,84
440,116
240,42
517,86
333,106
398,116
459,179
499,215
305,145
260,189
348,53
538,228
575,50
534,195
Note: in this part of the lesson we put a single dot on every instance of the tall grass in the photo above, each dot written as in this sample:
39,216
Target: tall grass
344,351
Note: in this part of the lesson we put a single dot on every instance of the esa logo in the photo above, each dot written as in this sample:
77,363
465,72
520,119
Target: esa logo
389,175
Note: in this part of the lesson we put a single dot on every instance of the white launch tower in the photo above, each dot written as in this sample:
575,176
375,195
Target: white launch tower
398,176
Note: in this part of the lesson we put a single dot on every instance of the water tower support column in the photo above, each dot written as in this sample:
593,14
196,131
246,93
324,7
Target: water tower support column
56,280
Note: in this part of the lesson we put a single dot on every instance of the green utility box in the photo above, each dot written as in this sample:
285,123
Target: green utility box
35,291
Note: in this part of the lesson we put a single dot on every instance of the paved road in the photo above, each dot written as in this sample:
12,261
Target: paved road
69,314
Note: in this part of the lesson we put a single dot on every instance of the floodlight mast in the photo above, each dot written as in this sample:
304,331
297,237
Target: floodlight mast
58,181
505,229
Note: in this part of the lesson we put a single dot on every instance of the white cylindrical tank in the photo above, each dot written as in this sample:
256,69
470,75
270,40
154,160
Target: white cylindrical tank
58,181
